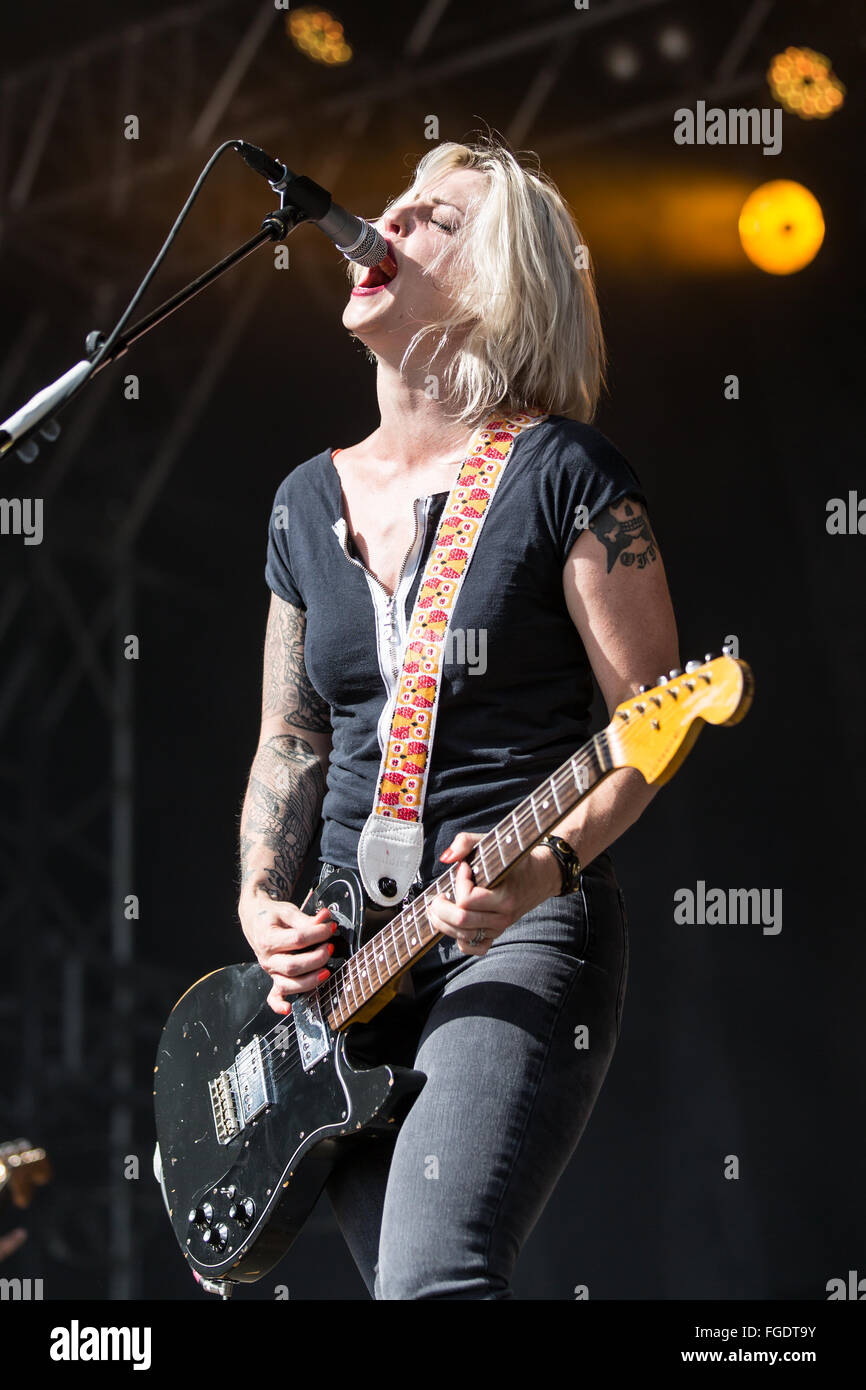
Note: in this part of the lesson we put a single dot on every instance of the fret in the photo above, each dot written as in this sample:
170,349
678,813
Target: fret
516,829
531,800
339,1006
499,850
369,985
390,949
545,805
405,933
559,809
399,958
375,953
479,850
349,967
412,942
602,752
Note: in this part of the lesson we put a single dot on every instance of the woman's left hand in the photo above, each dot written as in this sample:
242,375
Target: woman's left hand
534,879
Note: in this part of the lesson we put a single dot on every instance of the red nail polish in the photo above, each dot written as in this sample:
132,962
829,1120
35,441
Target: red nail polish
323,975
330,948
333,928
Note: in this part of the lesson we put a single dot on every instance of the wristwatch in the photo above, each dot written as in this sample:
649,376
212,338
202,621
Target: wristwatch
568,863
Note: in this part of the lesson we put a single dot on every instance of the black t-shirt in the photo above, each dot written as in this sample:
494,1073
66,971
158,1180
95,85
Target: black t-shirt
516,683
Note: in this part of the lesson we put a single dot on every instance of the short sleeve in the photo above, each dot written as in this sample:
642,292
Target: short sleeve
278,568
583,474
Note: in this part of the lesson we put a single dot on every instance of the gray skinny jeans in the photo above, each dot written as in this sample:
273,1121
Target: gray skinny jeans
515,1046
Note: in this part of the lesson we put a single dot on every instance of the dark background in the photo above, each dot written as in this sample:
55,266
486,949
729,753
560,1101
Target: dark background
734,1042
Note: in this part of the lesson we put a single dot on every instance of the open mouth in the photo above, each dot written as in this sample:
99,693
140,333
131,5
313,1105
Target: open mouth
376,277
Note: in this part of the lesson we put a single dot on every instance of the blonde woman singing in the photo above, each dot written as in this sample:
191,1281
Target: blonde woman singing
485,314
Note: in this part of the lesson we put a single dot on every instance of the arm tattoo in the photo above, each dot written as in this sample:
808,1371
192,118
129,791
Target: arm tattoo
281,812
287,689
625,532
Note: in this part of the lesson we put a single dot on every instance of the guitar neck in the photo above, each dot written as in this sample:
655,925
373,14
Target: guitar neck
410,933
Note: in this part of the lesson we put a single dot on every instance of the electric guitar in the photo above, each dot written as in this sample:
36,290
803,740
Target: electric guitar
252,1110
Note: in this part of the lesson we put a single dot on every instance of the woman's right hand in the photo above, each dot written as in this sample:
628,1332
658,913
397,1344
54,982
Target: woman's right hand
292,947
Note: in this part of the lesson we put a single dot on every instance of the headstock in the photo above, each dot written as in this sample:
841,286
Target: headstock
654,730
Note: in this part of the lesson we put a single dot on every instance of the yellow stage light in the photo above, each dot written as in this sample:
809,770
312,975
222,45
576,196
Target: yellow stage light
781,227
804,82
318,35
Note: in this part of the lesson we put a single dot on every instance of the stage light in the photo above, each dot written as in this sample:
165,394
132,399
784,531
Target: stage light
781,227
674,43
622,61
804,82
318,35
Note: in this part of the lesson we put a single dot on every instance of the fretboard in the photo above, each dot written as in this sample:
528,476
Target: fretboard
410,933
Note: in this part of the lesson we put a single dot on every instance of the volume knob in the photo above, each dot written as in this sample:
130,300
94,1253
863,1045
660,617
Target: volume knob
201,1216
243,1212
215,1237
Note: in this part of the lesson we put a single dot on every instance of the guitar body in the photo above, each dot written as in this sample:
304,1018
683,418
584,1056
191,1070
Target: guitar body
280,1158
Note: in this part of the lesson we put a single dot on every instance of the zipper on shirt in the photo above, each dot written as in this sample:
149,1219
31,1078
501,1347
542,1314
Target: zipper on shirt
389,621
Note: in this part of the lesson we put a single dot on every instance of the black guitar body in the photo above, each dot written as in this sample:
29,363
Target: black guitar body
248,1128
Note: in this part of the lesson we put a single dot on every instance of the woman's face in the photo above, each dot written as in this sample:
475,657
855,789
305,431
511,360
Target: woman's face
418,227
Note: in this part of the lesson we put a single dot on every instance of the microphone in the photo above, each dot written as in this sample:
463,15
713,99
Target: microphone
355,238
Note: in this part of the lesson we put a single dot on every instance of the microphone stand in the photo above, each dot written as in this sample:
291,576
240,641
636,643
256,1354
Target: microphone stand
37,414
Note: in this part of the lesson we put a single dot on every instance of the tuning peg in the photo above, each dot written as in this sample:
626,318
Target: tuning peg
710,656
28,451
672,675
642,689
661,680
692,665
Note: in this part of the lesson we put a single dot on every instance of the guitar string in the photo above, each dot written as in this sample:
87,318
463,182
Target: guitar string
331,992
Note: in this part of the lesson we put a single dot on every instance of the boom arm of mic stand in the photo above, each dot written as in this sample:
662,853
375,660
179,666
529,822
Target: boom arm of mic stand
37,413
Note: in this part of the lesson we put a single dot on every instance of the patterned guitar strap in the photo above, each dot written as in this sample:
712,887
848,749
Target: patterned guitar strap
392,840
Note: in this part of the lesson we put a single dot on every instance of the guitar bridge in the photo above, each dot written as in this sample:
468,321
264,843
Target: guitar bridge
225,1112
240,1093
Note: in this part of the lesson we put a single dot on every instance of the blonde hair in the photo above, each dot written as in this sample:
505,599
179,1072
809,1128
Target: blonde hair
525,317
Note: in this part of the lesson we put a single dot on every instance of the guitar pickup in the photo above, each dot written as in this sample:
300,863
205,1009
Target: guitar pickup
312,1032
241,1092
